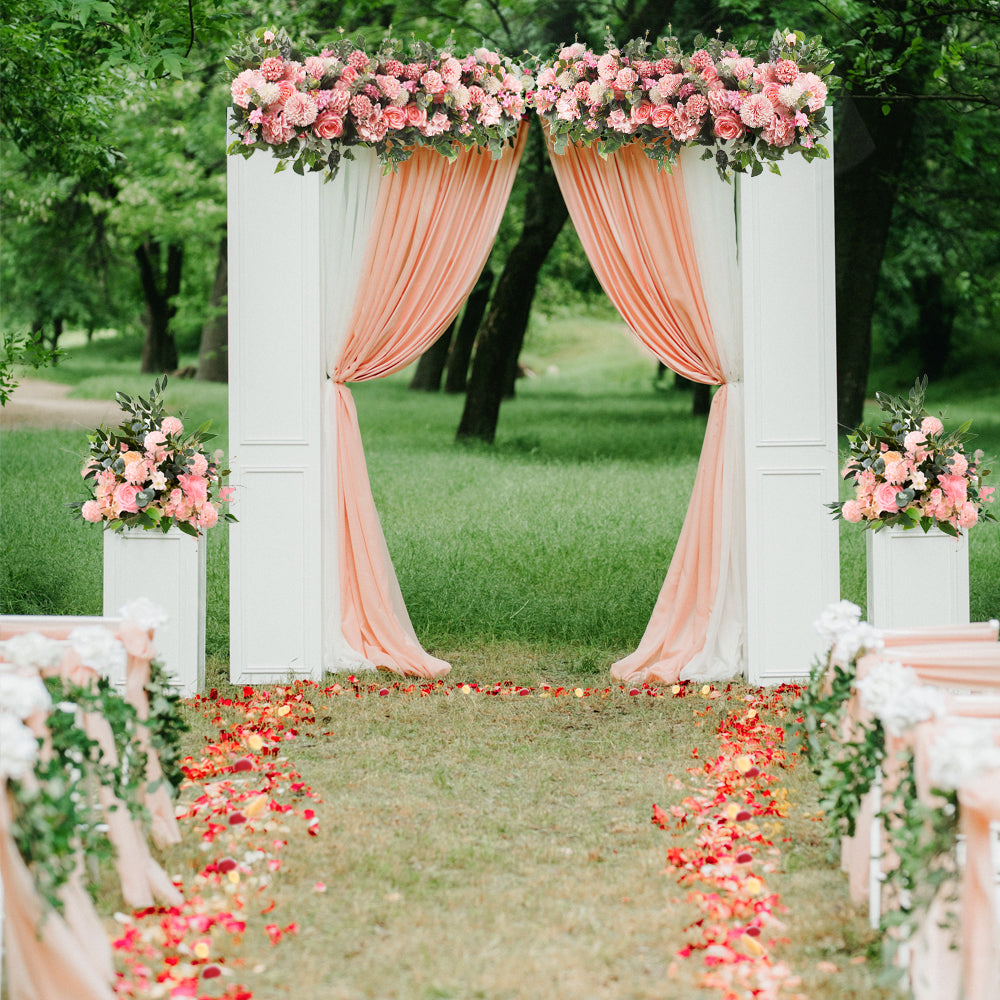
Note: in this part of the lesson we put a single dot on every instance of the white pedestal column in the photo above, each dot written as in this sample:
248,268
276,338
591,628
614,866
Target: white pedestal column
169,569
898,560
786,247
275,376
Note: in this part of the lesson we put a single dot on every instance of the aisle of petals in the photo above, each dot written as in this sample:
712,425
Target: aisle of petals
238,801
732,811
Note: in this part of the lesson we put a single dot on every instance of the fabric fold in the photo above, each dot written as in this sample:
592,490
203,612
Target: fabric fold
423,245
637,226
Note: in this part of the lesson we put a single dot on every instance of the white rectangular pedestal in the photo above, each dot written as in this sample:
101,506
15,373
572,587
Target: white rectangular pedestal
916,578
171,570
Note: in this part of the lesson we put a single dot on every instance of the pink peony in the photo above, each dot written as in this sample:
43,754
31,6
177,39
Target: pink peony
226,493
91,511
967,515
276,130
198,464
626,78
780,131
607,68
136,472
955,488
195,488
701,59
249,79
272,68
684,128
810,83
300,109
913,440
618,122
885,499
756,111
431,82
931,426
728,125
208,516
125,498
315,67
959,463
852,511
171,425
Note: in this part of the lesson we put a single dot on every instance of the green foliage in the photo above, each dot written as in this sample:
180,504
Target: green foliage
20,349
166,725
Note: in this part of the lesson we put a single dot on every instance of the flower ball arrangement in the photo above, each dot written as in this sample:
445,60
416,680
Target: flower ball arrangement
909,472
150,474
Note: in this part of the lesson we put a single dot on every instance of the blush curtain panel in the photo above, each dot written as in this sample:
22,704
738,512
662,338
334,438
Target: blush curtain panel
403,251
663,245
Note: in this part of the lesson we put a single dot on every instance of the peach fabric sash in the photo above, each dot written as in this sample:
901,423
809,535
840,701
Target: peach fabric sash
968,664
435,222
138,643
45,957
633,222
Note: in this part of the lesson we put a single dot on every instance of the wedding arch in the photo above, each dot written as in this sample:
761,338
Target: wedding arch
727,283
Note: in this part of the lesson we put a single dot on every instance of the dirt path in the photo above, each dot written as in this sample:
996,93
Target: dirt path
42,405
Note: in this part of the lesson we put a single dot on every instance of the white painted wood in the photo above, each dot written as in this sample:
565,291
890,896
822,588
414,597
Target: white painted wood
170,570
786,246
898,560
275,376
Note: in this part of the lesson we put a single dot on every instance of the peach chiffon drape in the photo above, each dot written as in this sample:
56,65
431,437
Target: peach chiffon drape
633,221
435,222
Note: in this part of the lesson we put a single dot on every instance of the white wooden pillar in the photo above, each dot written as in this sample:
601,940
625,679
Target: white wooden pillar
786,252
275,377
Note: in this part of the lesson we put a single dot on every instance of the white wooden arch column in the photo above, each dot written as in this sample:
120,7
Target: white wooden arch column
276,311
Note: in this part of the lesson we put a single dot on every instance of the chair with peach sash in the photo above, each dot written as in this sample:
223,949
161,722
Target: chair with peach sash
966,674
137,639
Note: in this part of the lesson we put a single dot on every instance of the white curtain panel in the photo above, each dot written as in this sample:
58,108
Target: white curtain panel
347,206
711,204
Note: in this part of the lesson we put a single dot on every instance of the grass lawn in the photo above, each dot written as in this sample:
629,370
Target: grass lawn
476,846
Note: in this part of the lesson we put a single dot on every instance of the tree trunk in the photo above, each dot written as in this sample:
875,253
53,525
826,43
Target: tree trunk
503,330
465,338
430,367
935,323
159,351
871,151
701,394
213,353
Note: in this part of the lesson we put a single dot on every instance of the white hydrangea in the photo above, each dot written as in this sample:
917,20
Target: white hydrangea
835,619
99,649
21,695
962,752
852,642
32,651
144,612
18,748
894,695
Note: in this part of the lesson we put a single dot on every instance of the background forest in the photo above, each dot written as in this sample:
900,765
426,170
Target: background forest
113,156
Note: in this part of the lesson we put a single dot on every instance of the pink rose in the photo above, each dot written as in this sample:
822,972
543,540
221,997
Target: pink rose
395,118
728,125
328,125
416,116
91,511
125,498
663,115
852,511
955,488
885,498
931,426
642,112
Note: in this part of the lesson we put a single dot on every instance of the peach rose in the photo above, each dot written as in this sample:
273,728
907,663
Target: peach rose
91,511
395,118
663,115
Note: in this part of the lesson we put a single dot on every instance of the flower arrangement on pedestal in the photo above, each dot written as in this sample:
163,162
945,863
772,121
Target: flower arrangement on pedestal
744,111
149,473
310,109
908,472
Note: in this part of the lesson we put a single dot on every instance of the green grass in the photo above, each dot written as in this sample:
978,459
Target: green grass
556,539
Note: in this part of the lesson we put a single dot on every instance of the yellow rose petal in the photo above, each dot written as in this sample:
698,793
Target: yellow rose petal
743,764
754,886
202,950
676,689
254,741
732,811
578,692
234,876
752,946
284,710
705,688
256,806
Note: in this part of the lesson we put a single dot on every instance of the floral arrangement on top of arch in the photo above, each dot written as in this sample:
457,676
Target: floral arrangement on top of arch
309,110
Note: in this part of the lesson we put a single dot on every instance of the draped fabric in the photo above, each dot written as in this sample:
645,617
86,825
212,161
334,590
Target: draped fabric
663,246
409,245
